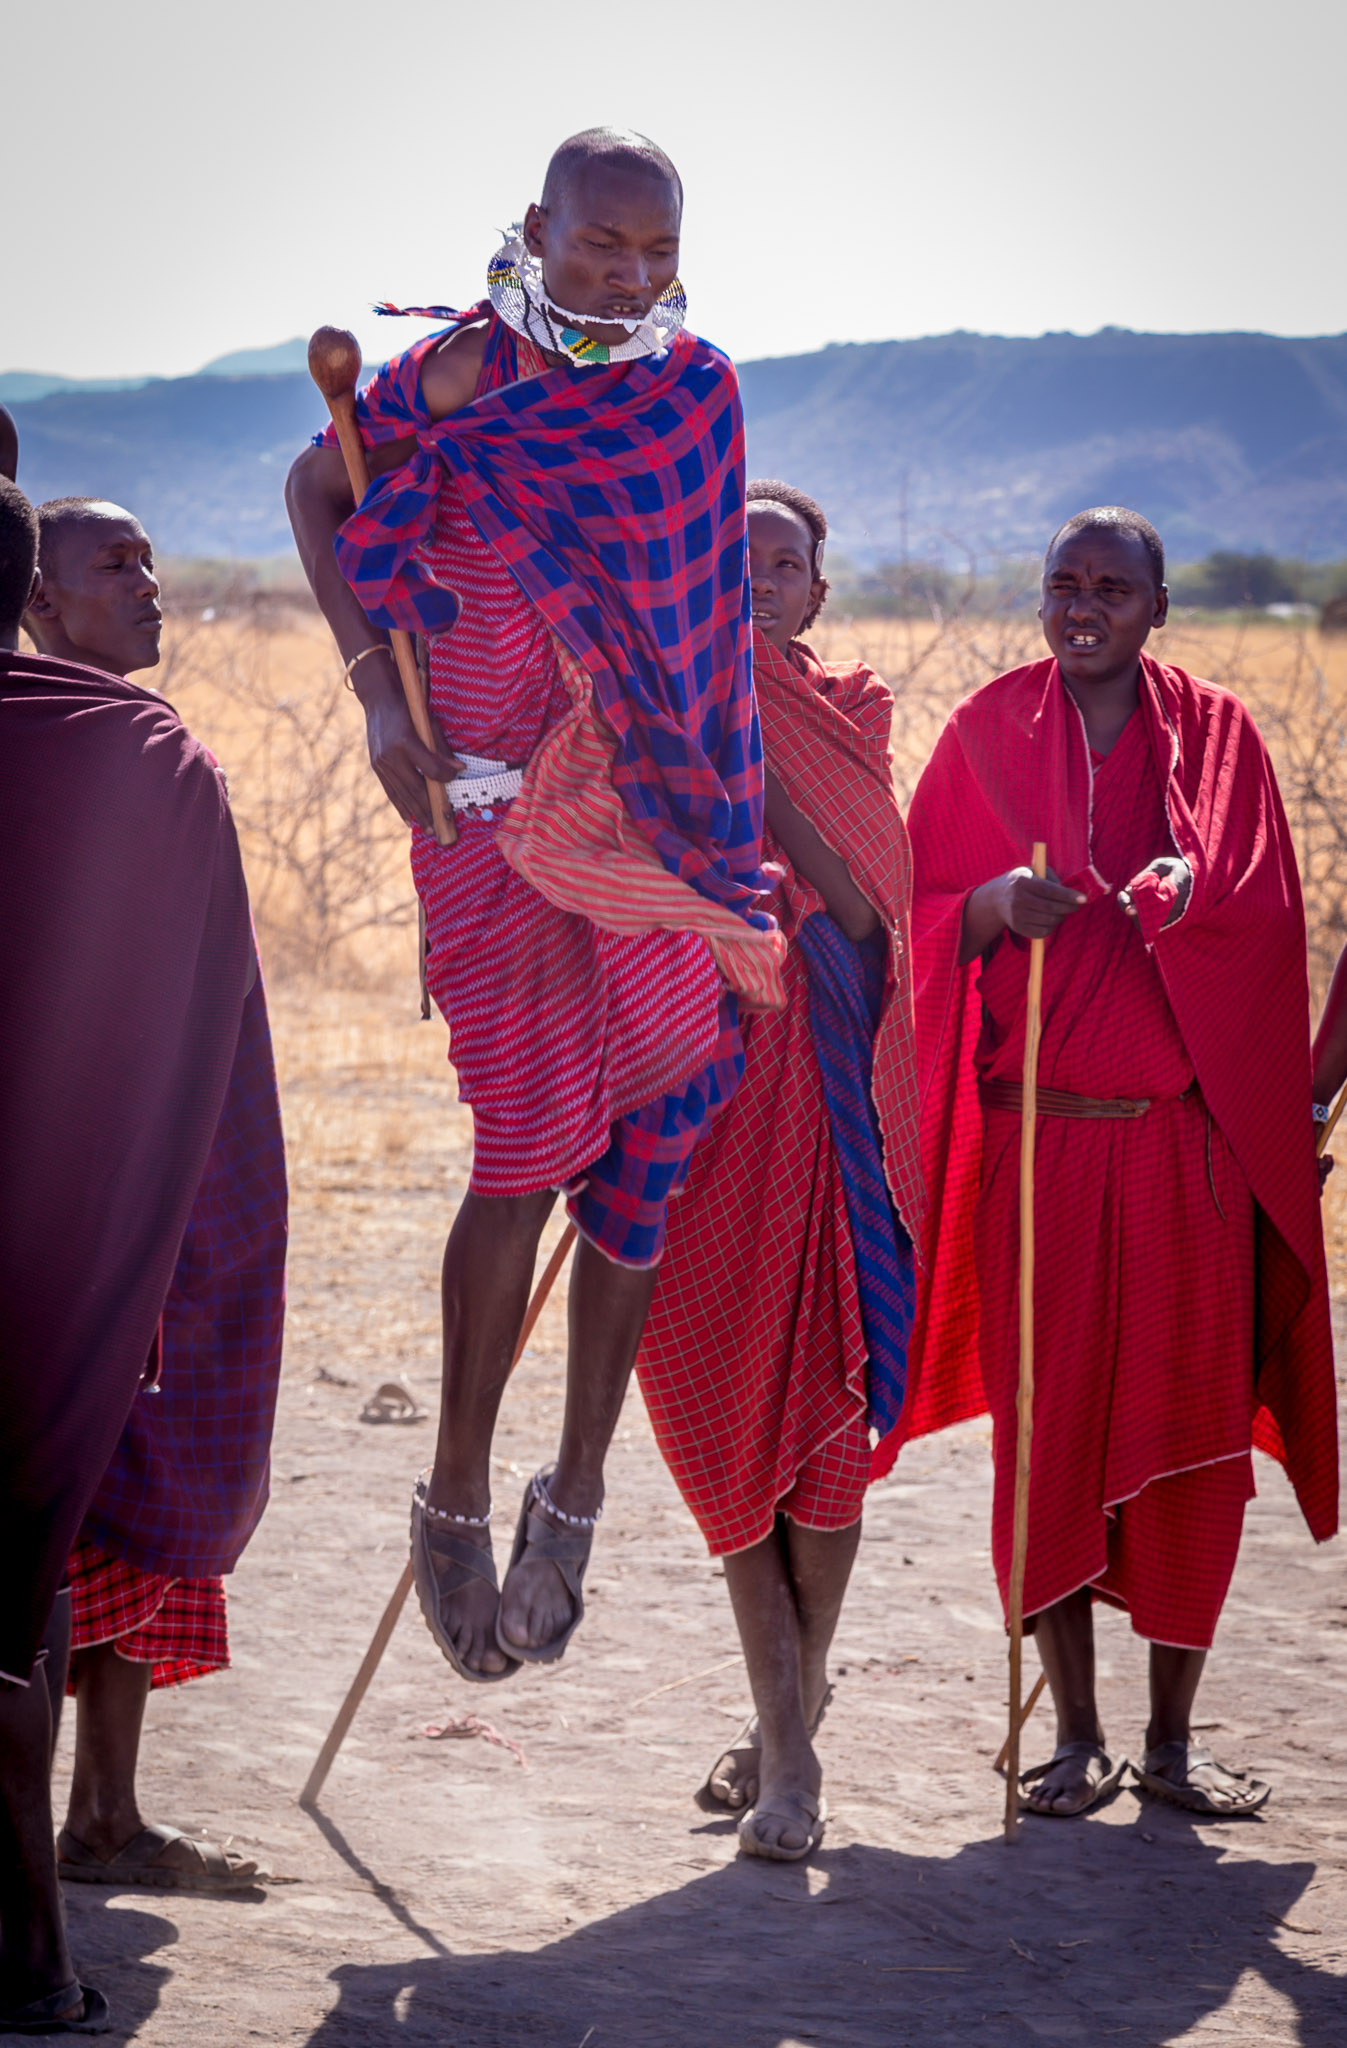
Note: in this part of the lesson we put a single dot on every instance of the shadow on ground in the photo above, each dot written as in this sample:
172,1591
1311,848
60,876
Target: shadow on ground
1088,1934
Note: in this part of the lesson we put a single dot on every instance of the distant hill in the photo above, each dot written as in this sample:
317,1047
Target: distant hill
937,448
283,358
18,386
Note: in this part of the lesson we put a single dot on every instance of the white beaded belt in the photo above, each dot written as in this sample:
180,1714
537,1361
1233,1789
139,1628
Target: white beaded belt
483,783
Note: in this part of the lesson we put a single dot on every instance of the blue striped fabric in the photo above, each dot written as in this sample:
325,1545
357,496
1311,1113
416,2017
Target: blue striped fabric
846,993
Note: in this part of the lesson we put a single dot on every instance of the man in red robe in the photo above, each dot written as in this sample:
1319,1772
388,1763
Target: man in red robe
187,1482
1180,1302
125,936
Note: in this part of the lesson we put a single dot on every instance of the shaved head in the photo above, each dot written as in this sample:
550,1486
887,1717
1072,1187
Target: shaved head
612,150
97,596
64,521
1117,519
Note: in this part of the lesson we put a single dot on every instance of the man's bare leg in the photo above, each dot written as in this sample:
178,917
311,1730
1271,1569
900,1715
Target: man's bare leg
36,1959
110,1698
787,1593
488,1272
1064,1634
608,1305
1175,1676
111,1694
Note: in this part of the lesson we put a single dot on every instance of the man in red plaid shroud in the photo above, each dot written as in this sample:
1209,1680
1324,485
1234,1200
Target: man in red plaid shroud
559,507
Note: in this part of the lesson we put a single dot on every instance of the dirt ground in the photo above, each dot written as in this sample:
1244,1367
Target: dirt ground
566,1892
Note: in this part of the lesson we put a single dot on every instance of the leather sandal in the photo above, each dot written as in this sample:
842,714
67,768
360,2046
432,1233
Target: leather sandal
746,1745
140,1862
43,2015
537,1536
1248,1796
752,1843
1109,1779
443,1563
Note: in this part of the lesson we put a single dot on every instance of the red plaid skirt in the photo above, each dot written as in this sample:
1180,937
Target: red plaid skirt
179,1626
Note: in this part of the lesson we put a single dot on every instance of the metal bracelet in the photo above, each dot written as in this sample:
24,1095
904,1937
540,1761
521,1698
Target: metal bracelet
376,647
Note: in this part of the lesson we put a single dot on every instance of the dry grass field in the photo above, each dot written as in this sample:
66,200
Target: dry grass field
326,855
563,1891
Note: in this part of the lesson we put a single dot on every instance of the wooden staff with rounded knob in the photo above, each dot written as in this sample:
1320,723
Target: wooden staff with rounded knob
334,365
1024,1405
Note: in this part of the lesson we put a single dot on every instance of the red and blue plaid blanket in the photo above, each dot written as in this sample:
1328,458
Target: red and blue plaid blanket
615,496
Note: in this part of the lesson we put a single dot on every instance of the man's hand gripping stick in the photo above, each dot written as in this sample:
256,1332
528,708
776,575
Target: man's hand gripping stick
334,365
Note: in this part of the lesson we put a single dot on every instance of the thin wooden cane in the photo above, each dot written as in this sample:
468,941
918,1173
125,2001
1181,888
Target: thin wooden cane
1024,1406
382,1636
1326,1130
334,365
1028,1709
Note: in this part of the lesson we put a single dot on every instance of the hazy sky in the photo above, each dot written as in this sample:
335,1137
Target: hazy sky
201,178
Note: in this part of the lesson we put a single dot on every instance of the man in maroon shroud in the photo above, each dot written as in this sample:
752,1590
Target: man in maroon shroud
125,934
1180,1298
188,1480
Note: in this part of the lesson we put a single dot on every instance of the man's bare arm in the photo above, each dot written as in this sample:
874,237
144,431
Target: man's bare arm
318,499
819,865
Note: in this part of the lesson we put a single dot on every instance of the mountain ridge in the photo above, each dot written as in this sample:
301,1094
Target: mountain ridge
951,447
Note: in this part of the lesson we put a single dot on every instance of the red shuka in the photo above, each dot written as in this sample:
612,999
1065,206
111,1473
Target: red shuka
752,1361
1187,1363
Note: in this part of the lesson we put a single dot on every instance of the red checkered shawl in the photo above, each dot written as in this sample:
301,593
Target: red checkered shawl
1012,767
825,730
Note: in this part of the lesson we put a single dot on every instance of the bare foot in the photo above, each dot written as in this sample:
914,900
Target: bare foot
87,1844
536,1607
1192,1778
785,1821
464,1603
733,1782
1070,1783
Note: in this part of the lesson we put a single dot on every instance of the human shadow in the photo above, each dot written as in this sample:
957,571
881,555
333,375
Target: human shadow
1078,1933
112,1950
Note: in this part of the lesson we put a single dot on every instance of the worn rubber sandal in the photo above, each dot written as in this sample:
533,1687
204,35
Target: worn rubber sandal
393,1401
42,2015
568,1550
137,1863
1194,1798
746,1745
1109,1781
443,1563
751,1842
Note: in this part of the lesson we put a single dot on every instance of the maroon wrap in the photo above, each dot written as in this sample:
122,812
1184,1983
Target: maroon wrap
125,943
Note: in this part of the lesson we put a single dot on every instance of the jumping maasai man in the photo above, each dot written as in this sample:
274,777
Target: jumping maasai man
125,938
777,1338
1180,1298
562,514
188,1481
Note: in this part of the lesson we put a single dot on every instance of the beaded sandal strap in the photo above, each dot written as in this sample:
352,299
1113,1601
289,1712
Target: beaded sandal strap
572,1521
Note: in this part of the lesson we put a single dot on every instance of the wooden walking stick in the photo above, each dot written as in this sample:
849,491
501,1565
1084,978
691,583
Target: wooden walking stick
334,365
1326,1130
379,1641
1024,1406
